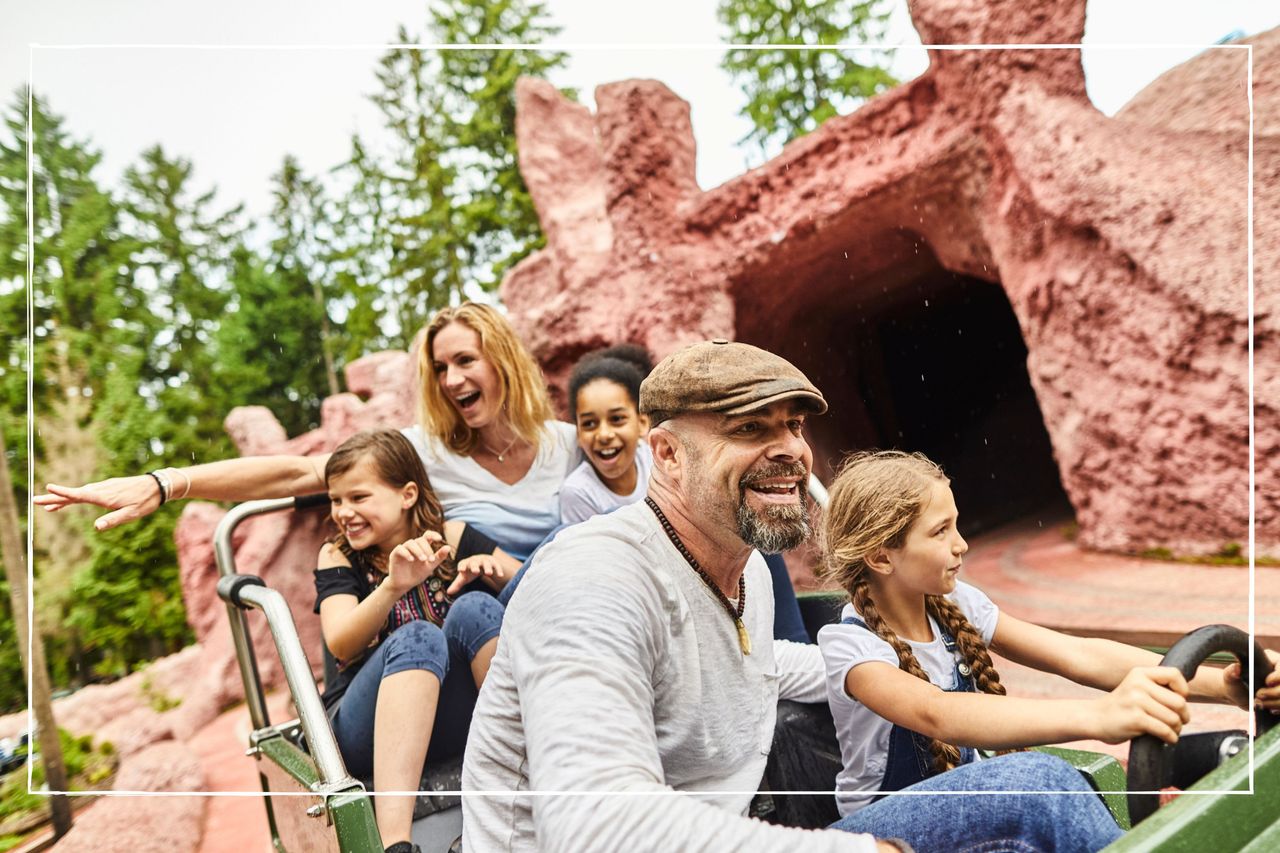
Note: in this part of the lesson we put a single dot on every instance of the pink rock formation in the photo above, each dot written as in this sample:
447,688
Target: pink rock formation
131,713
1120,245
280,548
145,824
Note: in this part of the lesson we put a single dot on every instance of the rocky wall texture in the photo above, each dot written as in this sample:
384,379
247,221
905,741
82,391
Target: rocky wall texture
1121,244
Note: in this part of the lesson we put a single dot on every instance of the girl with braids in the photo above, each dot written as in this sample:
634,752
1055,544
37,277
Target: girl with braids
411,658
910,654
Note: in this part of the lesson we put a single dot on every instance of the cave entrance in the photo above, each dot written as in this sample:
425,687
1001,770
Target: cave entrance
916,357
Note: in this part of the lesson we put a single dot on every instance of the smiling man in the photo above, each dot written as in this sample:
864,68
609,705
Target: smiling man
637,657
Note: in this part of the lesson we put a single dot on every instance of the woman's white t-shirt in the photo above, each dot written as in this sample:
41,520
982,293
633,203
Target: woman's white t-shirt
864,734
585,494
518,516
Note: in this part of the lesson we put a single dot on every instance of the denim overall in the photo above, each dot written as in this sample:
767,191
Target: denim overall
909,760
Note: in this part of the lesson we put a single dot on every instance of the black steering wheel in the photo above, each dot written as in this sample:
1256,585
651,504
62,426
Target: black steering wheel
1154,764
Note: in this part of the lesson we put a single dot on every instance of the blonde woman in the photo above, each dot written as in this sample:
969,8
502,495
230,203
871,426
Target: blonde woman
486,434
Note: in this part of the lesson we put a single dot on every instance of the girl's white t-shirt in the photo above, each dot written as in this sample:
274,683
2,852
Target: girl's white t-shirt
585,494
864,734
517,516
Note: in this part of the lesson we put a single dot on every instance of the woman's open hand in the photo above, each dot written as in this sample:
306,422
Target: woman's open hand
1268,693
130,497
1151,700
412,562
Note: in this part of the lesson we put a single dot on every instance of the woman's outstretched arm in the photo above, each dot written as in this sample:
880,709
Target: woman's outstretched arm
243,479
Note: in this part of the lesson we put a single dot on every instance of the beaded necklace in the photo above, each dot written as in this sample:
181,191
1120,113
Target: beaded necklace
735,613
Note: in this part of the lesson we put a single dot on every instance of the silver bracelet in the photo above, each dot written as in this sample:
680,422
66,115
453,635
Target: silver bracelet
176,472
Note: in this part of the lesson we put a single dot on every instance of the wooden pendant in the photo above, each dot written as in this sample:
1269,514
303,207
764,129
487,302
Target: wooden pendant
744,639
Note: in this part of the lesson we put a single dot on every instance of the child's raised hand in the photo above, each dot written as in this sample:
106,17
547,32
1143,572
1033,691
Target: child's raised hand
1268,693
1151,700
413,561
475,566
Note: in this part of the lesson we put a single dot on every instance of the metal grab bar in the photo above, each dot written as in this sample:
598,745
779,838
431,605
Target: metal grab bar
818,492
297,670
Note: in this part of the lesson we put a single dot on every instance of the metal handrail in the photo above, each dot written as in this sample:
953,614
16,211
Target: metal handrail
818,492
297,670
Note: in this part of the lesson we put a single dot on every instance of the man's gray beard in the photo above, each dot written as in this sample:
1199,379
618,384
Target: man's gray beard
777,528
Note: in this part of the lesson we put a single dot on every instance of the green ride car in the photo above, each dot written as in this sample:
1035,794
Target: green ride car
1230,780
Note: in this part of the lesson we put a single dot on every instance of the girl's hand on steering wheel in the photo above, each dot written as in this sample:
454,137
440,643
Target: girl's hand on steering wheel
130,497
476,566
1151,700
412,562
1267,695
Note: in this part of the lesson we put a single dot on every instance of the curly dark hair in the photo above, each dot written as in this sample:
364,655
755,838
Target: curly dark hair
625,364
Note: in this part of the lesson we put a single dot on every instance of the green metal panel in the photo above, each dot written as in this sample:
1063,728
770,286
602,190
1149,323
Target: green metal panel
348,824
293,761
1222,823
352,815
1105,775
1269,840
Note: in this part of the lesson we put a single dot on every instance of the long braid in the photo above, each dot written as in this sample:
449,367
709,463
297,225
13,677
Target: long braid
971,647
968,641
944,756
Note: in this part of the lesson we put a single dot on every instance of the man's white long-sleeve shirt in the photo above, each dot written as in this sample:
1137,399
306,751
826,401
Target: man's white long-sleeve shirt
619,679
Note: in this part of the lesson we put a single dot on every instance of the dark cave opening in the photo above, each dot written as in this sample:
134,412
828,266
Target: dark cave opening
921,359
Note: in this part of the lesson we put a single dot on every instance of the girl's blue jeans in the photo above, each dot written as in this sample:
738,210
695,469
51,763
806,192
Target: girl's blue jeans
473,620
1071,819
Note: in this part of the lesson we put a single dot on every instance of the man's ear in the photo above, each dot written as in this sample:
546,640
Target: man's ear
665,446
880,561
409,494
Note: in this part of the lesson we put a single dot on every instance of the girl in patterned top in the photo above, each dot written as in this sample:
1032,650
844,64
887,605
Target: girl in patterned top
411,656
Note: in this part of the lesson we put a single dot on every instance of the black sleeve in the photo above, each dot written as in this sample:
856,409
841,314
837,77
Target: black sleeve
337,580
474,542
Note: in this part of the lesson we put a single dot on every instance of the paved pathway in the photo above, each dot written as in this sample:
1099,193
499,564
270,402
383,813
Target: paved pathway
1035,573
235,824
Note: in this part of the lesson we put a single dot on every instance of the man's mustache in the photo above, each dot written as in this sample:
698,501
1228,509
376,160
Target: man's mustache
774,470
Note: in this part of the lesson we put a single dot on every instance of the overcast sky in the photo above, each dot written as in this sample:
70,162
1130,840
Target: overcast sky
237,111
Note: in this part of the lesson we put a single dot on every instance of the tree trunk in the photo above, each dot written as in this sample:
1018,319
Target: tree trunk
14,556
326,338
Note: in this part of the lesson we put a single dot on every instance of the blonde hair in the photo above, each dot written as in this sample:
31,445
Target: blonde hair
874,500
524,398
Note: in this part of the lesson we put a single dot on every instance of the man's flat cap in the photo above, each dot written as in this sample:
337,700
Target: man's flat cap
726,377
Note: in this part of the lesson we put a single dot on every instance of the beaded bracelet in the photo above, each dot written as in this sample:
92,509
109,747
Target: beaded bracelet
162,481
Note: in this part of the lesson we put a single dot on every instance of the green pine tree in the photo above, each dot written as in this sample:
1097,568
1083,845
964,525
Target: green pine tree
88,332
790,92
182,257
269,343
449,208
